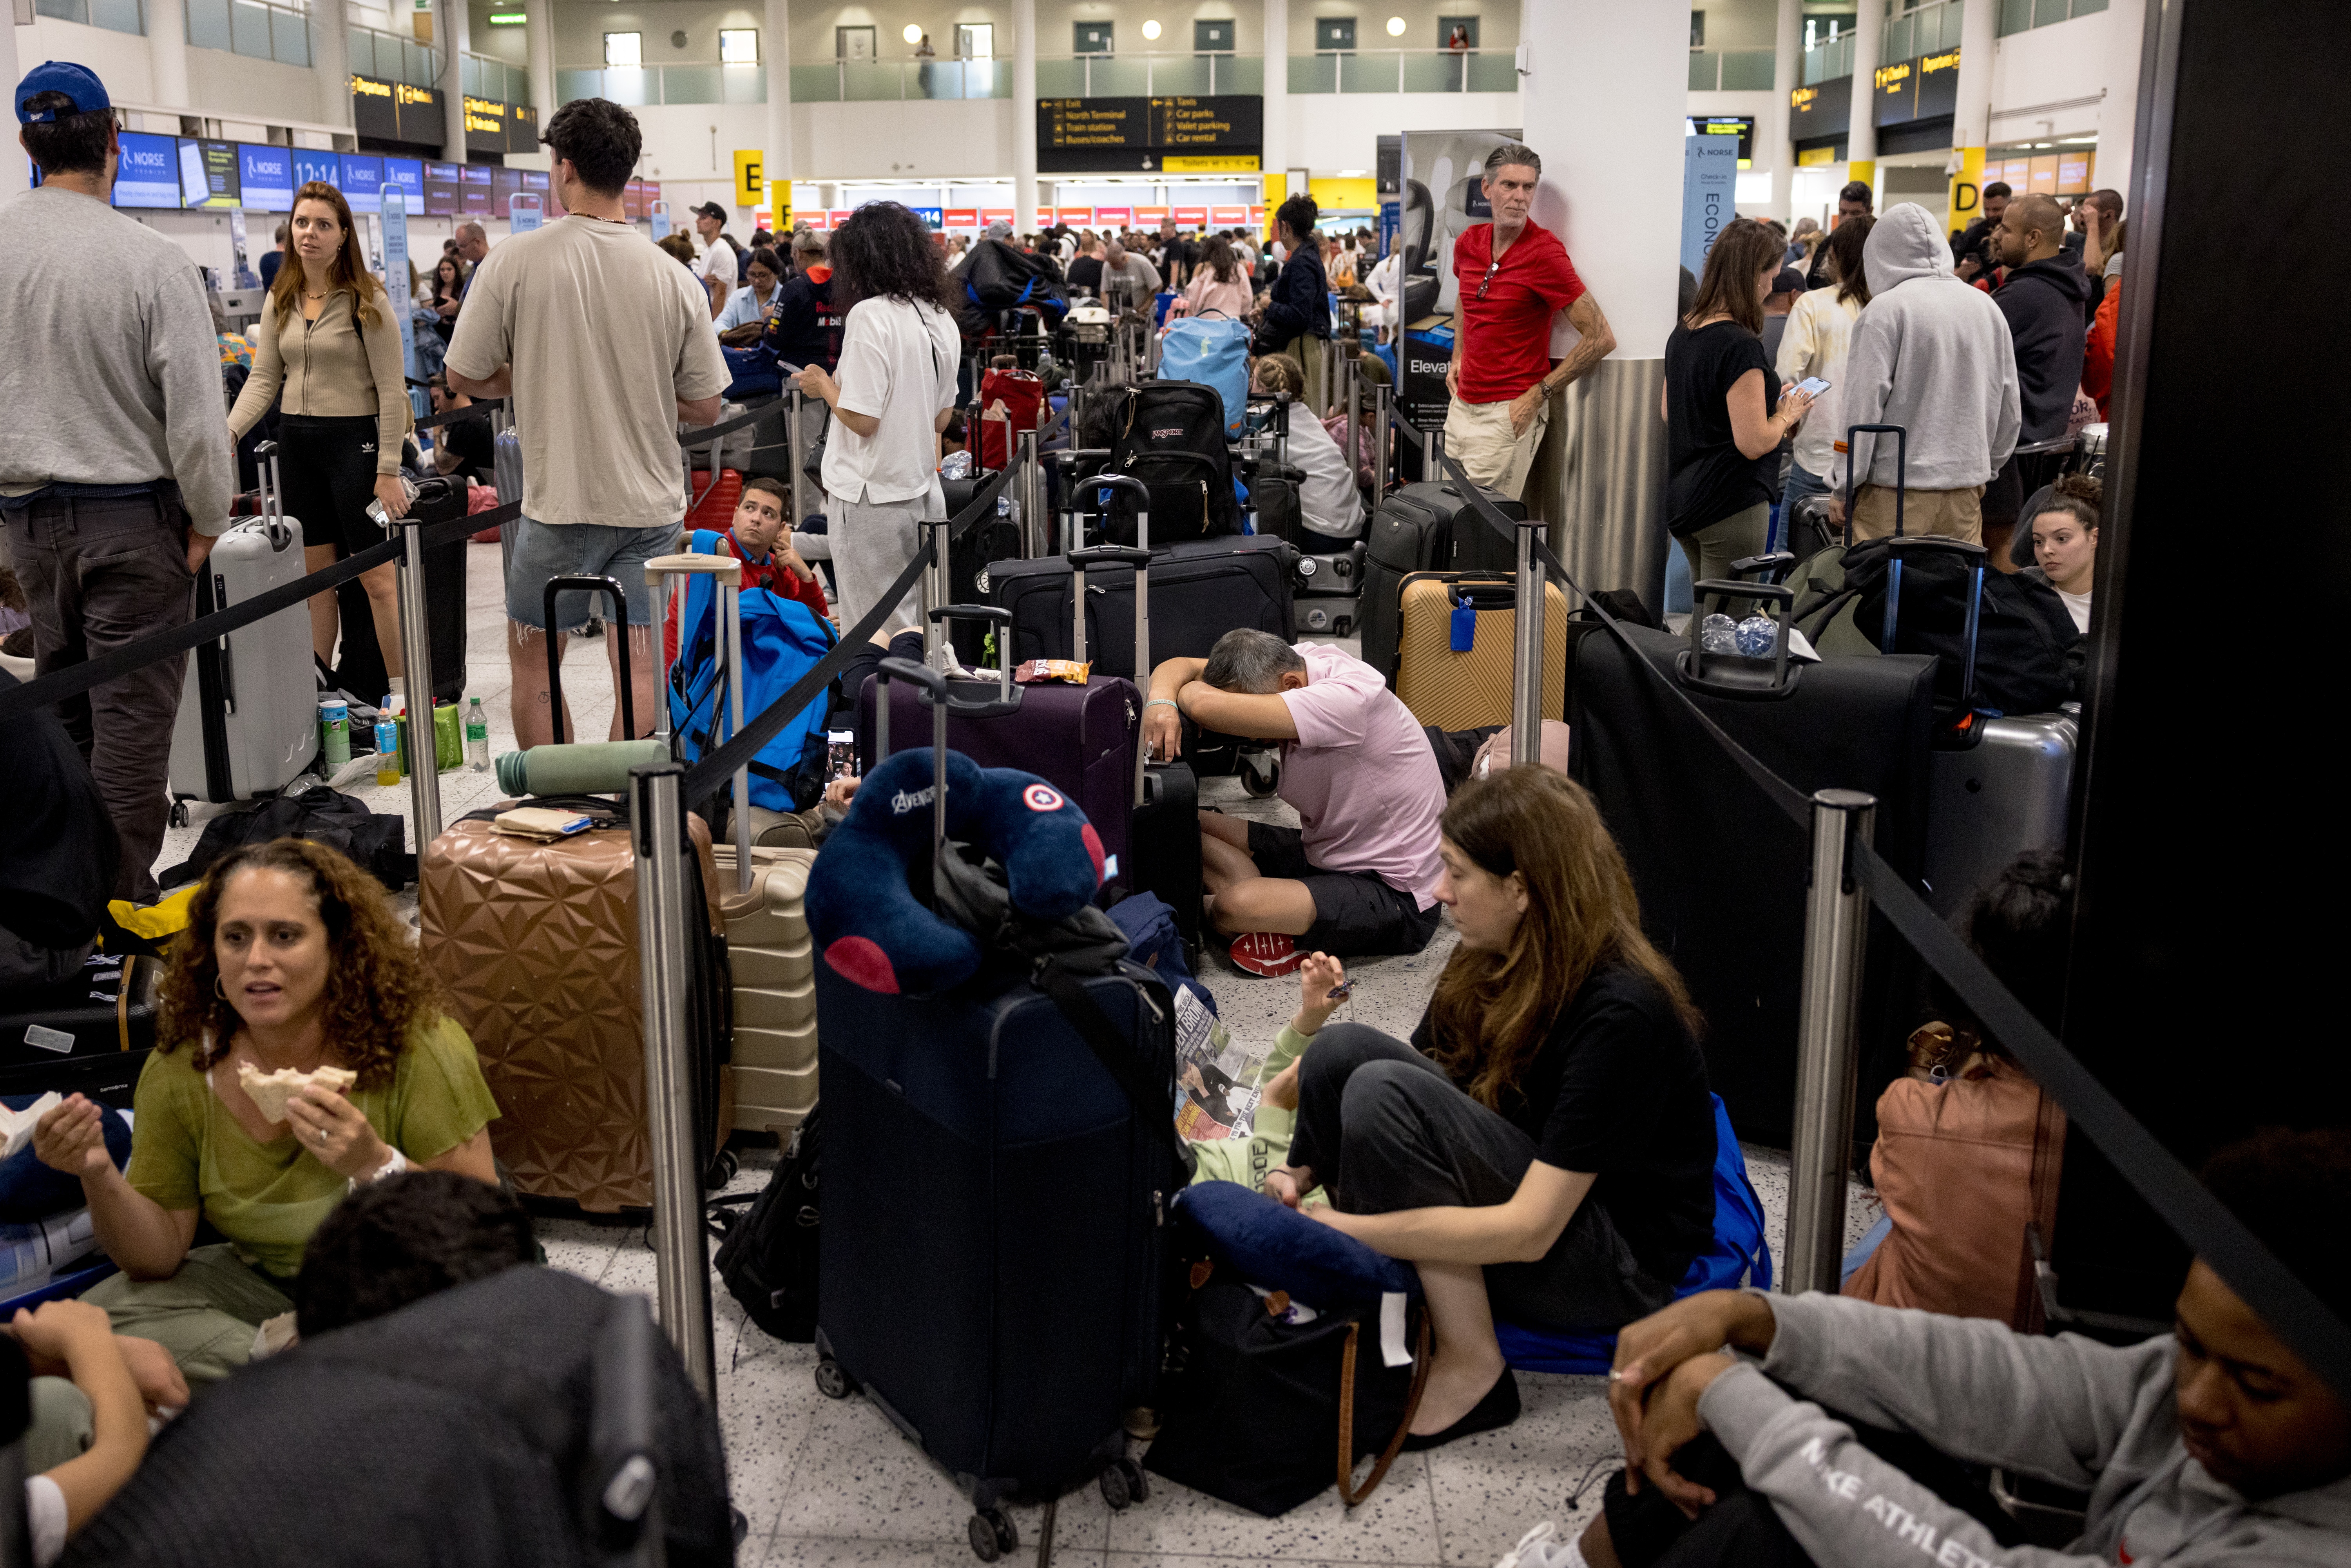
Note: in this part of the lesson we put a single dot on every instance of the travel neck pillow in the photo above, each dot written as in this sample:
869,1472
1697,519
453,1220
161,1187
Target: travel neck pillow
863,913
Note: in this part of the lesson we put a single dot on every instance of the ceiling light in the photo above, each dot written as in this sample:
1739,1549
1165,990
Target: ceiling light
1395,26
1150,28
914,33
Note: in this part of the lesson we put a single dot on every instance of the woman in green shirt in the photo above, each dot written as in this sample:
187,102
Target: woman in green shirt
292,958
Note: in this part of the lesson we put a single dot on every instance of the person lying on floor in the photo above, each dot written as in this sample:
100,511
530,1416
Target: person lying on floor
1543,1149
1359,875
2212,1445
292,958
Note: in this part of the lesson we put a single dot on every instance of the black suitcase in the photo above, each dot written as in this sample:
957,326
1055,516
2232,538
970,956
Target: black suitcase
1721,870
1200,590
1424,527
89,1035
971,558
359,668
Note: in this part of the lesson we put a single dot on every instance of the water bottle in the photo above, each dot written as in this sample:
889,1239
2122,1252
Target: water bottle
1757,635
1717,633
375,509
477,737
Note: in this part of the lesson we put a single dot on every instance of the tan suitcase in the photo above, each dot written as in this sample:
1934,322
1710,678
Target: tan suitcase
1445,690
537,946
774,962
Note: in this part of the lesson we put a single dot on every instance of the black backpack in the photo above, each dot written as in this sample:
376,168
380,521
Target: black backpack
1170,435
377,845
2028,656
768,1257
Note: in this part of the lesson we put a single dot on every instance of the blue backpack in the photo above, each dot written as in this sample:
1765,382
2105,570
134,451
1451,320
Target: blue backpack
1213,351
782,640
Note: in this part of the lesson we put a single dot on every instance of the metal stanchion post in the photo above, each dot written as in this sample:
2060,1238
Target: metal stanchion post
1432,469
681,1265
937,652
793,438
1527,688
1354,417
417,667
1383,440
1828,1054
1032,501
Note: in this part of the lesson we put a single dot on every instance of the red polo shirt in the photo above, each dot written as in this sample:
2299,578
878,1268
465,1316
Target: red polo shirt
1509,331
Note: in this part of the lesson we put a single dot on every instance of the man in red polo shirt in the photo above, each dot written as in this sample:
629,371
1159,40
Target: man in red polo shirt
1513,276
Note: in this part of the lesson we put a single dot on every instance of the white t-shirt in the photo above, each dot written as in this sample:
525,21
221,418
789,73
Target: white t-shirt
1813,343
2078,604
45,1518
717,262
898,365
1329,500
606,333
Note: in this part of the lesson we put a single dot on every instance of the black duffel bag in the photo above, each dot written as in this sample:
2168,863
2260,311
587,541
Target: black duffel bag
376,844
2028,655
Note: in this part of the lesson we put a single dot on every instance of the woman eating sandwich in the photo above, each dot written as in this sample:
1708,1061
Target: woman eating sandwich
301,1049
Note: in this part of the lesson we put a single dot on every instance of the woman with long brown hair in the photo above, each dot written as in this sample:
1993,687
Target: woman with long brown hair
1218,283
1542,1149
328,340
292,958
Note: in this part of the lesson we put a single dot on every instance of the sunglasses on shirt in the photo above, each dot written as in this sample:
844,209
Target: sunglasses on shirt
1487,282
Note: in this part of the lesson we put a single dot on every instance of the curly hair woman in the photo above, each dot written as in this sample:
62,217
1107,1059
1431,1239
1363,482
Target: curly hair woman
892,394
1542,1150
292,957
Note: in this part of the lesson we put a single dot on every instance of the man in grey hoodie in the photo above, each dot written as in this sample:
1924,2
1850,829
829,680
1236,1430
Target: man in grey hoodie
1934,356
2215,1445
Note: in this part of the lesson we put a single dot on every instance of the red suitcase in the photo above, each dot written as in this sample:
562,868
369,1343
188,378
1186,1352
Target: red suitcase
1009,402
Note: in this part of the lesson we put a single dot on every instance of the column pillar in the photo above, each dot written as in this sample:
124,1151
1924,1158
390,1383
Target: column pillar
2117,116
14,174
1274,159
1971,120
1604,95
330,61
1860,137
1787,75
452,33
1024,116
775,50
538,36
167,52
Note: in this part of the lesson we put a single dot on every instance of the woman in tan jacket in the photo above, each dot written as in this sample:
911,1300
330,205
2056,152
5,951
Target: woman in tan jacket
328,339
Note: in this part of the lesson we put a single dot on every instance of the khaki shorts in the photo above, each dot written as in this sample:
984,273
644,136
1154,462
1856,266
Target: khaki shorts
1952,514
1477,436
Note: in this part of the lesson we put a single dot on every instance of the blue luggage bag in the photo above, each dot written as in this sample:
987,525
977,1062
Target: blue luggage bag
1213,351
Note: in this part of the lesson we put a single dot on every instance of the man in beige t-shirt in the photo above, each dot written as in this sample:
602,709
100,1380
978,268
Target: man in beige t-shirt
603,344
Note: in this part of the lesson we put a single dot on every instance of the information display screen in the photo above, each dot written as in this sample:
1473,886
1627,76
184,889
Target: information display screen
208,173
363,182
1140,133
504,182
475,201
408,173
265,178
149,175
316,163
441,190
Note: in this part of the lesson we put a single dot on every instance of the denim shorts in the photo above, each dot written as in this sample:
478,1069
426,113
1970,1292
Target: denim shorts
581,549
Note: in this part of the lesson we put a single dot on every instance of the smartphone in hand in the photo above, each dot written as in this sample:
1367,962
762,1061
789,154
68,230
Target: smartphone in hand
1811,386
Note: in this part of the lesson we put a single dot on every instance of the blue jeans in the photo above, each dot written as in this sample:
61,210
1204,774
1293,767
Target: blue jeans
1800,485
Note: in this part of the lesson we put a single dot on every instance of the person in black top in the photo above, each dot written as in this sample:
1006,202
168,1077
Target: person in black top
1724,410
464,447
1543,1149
1086,271
1296,319
802,327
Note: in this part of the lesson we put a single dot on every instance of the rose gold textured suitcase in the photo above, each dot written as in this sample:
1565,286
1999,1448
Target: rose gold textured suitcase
537,946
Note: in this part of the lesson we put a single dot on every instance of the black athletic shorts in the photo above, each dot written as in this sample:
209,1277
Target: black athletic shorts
1355,913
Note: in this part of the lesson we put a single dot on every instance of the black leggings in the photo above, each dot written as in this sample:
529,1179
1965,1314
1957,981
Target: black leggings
328,467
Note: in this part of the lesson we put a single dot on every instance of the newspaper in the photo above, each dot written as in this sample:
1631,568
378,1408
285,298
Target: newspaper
1216,1081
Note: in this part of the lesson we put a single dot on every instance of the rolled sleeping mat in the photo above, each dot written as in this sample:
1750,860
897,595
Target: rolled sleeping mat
584,768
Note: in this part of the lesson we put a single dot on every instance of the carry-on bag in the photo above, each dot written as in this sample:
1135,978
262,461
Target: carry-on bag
248,718
997,1087
1170,435
1459,643
89,1034
1212,351
1201,588
768,1248
1425,526
1010,402
360,666
773,972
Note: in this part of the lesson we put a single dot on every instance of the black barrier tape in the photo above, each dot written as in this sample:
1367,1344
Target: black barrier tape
708,776
1407,432
2314,1331
710,433
76,679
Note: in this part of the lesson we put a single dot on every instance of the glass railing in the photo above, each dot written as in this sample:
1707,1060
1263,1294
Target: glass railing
388,57
252,28
639,85
1730,70
1829,60
115,16
1405,70
1927,30
1144,75
2023,15
868,81
479,75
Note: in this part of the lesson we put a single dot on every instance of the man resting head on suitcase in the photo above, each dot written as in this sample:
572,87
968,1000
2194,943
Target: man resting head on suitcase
1359,874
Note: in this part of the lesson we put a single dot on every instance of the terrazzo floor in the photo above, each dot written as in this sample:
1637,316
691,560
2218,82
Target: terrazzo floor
831,1483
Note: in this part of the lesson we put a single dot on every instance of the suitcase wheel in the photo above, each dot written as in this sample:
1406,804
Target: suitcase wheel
1260,774
992,1534
1123,1483
179,814
832,1382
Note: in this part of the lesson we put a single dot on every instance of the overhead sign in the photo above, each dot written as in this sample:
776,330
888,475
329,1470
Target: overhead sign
266,174
1927,88
1121,217
1191,217
1215,163
1821,112
395,112
963,217
1228,217
750,178
1742,126
1118,133
208,173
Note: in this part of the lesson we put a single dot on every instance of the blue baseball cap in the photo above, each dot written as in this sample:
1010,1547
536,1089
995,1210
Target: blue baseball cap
77,82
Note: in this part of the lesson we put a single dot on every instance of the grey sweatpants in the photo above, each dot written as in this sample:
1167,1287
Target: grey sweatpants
872,542
1385,1130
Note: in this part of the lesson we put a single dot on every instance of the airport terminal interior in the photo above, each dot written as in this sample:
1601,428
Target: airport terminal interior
1339,1067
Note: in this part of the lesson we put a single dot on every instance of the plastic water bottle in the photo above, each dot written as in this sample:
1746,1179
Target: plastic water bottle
1717,633
477,737
1757,635
375,509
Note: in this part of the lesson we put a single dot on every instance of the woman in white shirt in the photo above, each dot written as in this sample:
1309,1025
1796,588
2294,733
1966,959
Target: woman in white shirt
1329,501
2066,542
749,307
1813,343
894,392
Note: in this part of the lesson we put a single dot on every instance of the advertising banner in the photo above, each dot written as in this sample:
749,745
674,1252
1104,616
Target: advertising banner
149,174
1710,182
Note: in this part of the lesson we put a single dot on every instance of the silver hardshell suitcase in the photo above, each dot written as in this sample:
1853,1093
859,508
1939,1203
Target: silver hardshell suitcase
1992,801
249,719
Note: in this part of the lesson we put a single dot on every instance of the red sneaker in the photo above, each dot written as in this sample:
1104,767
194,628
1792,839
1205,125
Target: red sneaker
1266,953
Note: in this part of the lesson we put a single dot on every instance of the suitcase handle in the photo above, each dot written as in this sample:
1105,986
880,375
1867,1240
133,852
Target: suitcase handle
1007,697
619,597
1901,470
1138,556
273,500
1771,568
1899,548
1733,680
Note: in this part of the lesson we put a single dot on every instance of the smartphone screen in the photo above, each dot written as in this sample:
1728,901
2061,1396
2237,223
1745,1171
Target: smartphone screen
1811,386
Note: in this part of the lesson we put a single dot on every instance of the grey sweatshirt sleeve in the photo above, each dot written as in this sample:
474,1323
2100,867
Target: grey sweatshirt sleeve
2008,423
183,359
1869,379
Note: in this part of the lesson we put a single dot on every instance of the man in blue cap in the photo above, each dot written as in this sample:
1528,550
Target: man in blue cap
115,474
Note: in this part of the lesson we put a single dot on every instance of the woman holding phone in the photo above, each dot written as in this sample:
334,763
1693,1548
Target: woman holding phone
1813,347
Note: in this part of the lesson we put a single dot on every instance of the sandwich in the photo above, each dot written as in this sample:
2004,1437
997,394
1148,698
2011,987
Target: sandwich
270,1091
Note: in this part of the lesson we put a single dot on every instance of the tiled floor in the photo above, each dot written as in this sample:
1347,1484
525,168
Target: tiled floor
832,1483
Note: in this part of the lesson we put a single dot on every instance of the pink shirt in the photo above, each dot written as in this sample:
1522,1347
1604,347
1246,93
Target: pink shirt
1361,776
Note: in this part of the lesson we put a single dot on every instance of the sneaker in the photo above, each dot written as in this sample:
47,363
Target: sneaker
1266,953
1541,1547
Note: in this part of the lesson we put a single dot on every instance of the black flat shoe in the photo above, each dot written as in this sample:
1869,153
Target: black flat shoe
1498,1407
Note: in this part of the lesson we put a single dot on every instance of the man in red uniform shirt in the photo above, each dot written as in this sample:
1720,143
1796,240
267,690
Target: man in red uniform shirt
761,539
1513,276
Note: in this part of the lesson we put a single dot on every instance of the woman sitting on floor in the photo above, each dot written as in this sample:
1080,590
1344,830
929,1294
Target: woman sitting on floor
1543,1148
292,957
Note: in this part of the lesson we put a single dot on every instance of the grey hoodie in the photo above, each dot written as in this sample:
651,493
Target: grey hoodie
2066,1410
1932,355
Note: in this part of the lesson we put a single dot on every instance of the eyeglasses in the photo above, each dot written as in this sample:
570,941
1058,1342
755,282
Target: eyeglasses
1492,267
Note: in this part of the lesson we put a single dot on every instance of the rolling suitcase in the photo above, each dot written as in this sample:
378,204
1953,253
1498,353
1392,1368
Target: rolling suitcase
1451,686
773,969
248,718
996,1173
358,666
1201,588
89,1034
1424,527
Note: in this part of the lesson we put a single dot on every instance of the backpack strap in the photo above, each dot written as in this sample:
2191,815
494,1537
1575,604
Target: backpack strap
1348,1494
